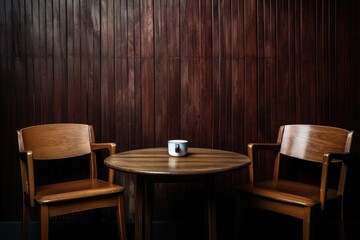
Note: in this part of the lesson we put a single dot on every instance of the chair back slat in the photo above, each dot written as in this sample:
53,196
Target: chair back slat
311,142
56,141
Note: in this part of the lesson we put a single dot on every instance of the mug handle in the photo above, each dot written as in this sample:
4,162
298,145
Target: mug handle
177,148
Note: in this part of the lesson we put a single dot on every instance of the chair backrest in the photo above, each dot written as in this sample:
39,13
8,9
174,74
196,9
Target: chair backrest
314,143
311,142
56,141
50,142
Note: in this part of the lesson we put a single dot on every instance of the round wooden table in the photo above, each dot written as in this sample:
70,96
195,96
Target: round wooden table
155,165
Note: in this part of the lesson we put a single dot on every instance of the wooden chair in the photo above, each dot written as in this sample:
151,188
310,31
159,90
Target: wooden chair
322,145
65,141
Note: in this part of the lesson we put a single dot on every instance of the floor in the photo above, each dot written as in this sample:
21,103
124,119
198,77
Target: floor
108,231
283,228
263,224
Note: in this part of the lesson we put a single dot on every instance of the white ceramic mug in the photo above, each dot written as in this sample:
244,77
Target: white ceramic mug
177,147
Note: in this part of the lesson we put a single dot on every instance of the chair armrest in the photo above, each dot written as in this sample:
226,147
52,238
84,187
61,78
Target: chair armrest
24,155
252,147
345,157
327,159
27,175
263,146
111,147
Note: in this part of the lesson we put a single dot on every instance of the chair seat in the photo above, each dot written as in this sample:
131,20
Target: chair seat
287,191
75,189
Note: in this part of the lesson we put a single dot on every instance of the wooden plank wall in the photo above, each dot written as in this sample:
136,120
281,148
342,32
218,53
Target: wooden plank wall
220,73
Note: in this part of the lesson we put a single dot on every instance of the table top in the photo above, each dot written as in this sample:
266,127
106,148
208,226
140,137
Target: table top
157,161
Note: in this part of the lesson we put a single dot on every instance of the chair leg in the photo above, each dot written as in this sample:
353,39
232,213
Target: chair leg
25,222
307,224
44,222
121,217
341,223
240,214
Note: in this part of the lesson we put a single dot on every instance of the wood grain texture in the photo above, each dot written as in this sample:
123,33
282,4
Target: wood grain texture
157,162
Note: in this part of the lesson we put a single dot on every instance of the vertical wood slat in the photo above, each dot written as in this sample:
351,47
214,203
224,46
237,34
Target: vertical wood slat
173,51
250,76
71,55
147,72
220,73
20,60
83,58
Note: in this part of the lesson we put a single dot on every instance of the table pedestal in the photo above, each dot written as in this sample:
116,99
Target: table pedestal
144,203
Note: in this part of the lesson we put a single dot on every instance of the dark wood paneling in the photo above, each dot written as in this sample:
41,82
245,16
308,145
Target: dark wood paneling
220,73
